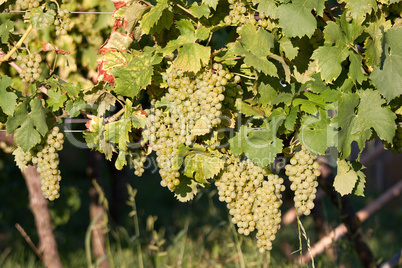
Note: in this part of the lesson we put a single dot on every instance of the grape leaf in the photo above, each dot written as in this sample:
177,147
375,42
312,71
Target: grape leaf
347,177
154,15
329,60
261,63
373,44
5,29
302,22
202,165
288,48
358,9
388,79
73,108
291,118
260,145
41,19
121,160
199,11
355,68
132,15
56,99
186,190
316,134
190,57
249,110
211,3
136,75
259,42
28,127
357,127
267,7
8,100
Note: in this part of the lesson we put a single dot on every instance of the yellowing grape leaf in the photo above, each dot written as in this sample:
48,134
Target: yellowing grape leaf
347,178
41,19
186,190
202,165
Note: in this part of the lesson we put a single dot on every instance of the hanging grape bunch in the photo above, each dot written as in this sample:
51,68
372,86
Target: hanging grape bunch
46,158
30,67
138,159
303,172
28,4
62,22
253,198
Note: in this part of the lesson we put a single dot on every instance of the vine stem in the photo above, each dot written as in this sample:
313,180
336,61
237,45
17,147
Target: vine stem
11,52
246,76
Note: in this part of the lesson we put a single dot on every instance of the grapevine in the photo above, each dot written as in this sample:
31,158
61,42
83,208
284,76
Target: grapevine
216,89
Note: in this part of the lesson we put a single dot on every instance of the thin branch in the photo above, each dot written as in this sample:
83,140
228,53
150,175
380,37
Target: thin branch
245,76
185,10
11,52
29,241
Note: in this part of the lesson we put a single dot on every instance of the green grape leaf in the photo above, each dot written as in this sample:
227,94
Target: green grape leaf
329,60
347,177
72,89
186,190
358,9
249,110
202,165
357,127
134,77
56,99
199,11
302,22
190,57
8,100
5,29
155,14
288,48
121,160
73,108
260,145
291,118
267,7
41,19
211,3
360,184
258,42
267,93
388,79
261,64
316,134
355,68
28,127
373,44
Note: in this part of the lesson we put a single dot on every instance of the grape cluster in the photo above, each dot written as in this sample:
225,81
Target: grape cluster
62,22
237,13
28,4
47,160
193,109
30,67
303,172
138,159
253,198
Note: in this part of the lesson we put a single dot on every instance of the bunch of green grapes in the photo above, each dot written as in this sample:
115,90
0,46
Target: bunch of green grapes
193,109
46,158
30,67
238,13
303,172
138,159
253,198
62,22
28,4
